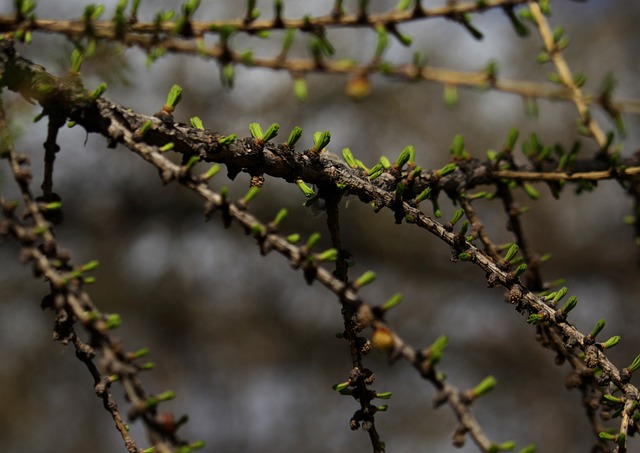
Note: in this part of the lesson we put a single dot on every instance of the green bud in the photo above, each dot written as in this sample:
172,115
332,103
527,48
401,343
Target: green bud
251,194
191,162
556,295
435,351
293,238
385,162
306,190
520,270
364,279
554,77
610,138
511,253
53,206
545,7
607,436
505,446
246,57
173,98
227,139
512,138
319,46
99,91
436,208
341,386
153,401
598,328
535,319
328,255
492,155
228,75
611,342
531,191
531,106
558,32
321,140
393,302
288,40
612,399
213,170
491,69
447,169
457,148
635,364
258,229
425,194
190,6
348,158
457,216
92,315
543,57
464,256
450,94
282,213
485,386
526,14
163,16
77,58
559,295
40,230
463,228
140,353
196,123
294,136
300,89
252,12
579,80
544,153
271,132
313,240
41,115
144,128
256,131
113,321
384,395
167,147
569,305
91,265
404,157
376,171
382,41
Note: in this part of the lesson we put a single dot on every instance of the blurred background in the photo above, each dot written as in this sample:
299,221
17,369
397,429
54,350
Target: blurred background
249,348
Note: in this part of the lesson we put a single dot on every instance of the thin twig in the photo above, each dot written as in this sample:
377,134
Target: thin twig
564,72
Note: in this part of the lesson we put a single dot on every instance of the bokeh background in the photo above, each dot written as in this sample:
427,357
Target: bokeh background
246,344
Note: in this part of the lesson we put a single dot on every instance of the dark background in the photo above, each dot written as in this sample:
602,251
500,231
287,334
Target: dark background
247,345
